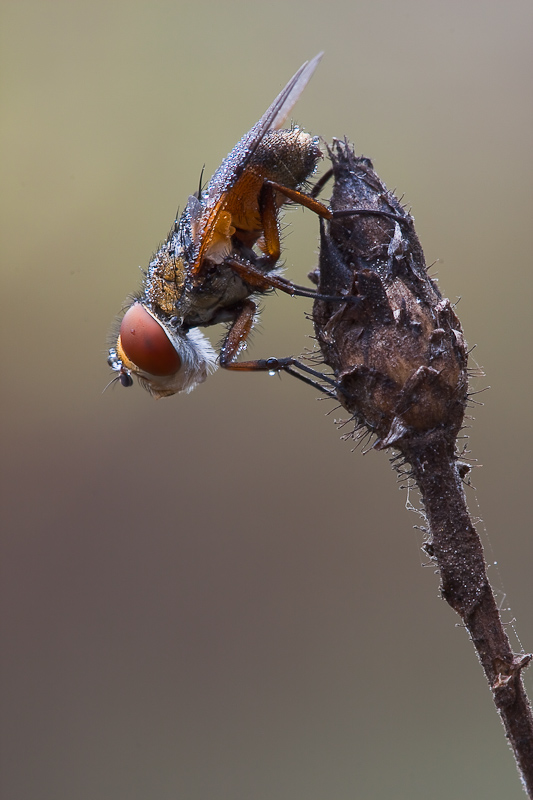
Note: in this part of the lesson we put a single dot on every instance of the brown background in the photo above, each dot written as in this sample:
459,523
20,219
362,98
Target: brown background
211,596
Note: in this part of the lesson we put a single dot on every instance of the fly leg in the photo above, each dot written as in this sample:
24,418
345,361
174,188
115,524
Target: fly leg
306,200
259,276
236,339
269,217
321,182
262,282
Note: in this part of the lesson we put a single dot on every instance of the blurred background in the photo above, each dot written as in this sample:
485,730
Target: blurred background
212,596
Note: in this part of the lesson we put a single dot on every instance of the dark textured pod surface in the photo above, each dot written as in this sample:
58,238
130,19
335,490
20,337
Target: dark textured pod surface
396,346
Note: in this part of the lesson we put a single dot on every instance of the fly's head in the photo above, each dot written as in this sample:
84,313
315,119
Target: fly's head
164,357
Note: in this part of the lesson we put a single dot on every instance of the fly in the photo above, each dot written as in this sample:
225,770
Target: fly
223,250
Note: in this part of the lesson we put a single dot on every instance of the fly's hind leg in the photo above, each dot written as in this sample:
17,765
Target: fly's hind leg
269,217
306,200
321,182
236,339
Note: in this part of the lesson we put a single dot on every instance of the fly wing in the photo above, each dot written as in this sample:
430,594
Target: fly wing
294,89
214,198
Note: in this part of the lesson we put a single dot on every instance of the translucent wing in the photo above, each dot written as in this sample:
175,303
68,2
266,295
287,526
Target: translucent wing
233,166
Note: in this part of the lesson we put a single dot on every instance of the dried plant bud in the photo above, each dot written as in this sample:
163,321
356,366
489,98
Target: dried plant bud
399,357
396,346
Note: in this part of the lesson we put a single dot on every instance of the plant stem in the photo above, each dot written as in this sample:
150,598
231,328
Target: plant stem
398,353
456,548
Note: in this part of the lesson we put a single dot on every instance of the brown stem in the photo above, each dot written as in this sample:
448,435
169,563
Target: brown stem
398,353
456,548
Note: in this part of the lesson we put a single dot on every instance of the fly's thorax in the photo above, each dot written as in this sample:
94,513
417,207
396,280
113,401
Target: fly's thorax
220,244
213,300
165,280
288,157
165,357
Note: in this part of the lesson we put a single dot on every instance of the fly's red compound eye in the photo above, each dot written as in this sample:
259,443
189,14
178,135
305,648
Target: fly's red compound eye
146,344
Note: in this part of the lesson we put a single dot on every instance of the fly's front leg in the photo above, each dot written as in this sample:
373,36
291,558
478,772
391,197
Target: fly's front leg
237,335
236,339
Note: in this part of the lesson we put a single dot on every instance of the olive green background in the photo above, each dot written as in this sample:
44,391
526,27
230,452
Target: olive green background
212,596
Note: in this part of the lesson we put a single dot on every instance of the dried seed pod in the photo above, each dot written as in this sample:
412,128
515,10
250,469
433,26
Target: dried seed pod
396,347
399,357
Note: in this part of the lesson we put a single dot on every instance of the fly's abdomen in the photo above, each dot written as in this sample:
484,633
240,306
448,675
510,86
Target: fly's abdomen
287,157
